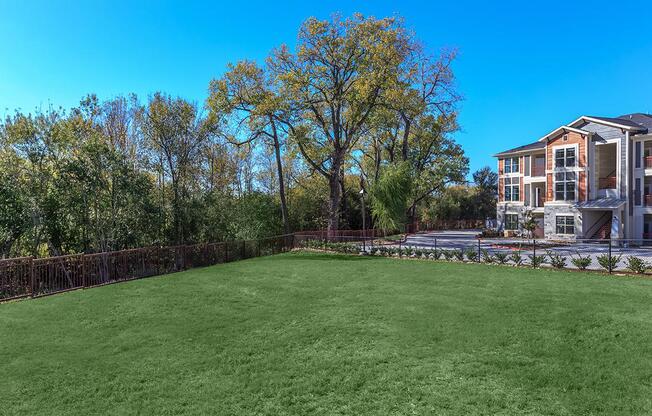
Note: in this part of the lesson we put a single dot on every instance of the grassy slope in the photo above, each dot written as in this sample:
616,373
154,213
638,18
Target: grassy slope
326,334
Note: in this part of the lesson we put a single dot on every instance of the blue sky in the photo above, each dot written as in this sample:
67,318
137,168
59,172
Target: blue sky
524,67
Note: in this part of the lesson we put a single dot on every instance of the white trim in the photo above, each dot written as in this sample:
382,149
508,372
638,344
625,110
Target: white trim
565,128
574,223
606,123
575,146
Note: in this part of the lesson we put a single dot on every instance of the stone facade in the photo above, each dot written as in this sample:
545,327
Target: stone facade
550,221
507,208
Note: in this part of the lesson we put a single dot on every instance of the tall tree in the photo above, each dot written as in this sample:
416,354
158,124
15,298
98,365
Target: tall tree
335,81
178,133
248,108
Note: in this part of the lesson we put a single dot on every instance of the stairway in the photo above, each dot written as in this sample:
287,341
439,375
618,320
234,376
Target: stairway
604,231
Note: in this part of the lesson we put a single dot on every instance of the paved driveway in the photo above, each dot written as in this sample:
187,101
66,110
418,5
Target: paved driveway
466,239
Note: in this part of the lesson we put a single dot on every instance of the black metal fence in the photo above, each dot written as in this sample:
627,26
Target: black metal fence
608,255
27,276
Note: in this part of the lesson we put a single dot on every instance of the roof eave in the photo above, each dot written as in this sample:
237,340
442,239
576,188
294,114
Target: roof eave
564,129
606,123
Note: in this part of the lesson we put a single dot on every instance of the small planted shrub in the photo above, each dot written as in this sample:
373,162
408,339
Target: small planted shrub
472,254
418,252
637,264
501,257
448,254
608,263
459,255
581,262
537,261
557,260
486,256
516,258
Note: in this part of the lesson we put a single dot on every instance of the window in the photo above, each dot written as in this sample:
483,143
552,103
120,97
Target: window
637,192
511,222
637,152
565,224
565,186
512,188
511,165
565,158
526,162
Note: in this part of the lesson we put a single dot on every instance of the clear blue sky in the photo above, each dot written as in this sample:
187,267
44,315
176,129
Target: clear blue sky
524,67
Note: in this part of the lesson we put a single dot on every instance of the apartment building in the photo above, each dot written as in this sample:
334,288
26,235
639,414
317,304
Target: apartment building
591,178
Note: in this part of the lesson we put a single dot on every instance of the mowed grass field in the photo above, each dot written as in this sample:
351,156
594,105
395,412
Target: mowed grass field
319,334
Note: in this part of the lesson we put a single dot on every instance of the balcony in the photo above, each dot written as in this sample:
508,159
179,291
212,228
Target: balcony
538,171
607,183
648,162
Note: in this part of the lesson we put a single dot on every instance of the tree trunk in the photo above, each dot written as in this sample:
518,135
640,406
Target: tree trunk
281,181
334,197
406,136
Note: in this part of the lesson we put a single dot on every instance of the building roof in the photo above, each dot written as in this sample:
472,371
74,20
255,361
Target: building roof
635,122
601,203
623,122
532,146
642,119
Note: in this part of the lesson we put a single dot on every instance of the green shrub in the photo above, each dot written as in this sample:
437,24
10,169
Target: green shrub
448,254
537,261
486,256
472,254
501,257
459,255
637,264
608,263
516,258
557,260
581,262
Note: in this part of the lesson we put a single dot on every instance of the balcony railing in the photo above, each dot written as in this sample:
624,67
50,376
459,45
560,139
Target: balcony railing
607,183
647,200
648,162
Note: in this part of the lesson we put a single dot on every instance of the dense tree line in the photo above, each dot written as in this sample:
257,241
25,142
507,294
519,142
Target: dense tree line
277,147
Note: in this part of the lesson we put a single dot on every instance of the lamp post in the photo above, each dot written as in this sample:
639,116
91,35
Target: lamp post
364,223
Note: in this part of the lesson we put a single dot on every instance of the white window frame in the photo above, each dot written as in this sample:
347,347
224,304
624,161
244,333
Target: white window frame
565,148
517,221
565,225
511,180
511,165
565,169
555,181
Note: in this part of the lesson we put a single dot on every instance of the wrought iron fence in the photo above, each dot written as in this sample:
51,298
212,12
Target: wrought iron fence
27,276
605,255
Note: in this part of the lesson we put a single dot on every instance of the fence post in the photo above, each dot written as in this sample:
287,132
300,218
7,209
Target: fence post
609,256
400,248
32,277
534,252
83,264
479,252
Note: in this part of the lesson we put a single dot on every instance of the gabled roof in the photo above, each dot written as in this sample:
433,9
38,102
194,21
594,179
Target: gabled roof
562,129
528,147
622,123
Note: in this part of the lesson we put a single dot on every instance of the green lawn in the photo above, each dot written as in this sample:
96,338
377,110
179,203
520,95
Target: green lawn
304,333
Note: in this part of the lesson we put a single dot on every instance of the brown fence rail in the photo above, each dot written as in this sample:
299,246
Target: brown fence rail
27,276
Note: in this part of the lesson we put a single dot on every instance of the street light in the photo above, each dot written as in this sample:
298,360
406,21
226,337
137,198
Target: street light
364,223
